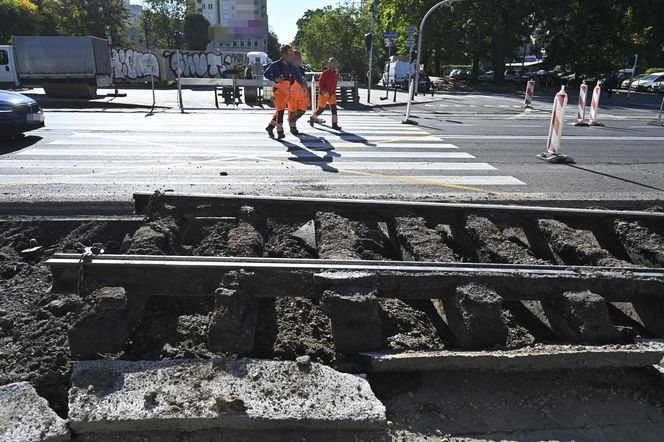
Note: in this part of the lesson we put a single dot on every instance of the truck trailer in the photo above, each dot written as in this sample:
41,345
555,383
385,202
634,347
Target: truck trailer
67,67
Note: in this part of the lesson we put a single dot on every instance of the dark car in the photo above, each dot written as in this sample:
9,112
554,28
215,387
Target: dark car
18,114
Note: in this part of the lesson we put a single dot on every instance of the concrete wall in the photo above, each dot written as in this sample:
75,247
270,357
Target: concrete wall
133,65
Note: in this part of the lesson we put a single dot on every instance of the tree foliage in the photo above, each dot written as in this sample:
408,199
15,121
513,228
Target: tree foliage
17,17
166,17
196,32
273,45
99,18
334,32
588,36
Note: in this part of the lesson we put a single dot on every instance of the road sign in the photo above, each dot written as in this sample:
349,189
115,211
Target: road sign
410,42
387,34
411,30
389,42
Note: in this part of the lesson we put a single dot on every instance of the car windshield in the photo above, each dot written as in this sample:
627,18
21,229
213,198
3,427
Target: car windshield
651,78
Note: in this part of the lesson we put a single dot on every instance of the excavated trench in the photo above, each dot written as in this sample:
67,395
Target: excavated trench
34,321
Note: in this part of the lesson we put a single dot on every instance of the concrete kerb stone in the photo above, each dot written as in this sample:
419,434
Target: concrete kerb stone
25,416
192,395
580,317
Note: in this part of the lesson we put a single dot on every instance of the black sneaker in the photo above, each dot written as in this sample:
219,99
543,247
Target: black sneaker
280,135
311,122
270,131
335,126
294,131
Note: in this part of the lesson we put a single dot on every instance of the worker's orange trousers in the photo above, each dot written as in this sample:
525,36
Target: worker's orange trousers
297,100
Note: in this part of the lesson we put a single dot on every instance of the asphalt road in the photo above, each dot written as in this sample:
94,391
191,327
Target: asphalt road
487,152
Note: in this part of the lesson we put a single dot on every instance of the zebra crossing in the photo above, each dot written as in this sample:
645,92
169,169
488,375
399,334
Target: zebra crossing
231,152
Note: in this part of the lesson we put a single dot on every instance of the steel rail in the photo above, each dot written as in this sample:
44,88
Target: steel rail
228,204
269,277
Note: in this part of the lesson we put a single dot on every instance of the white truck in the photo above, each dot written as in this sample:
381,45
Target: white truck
396,71
70,67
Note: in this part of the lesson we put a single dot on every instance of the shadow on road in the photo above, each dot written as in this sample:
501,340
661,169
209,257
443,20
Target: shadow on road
18,143
304,156
625,180
347,136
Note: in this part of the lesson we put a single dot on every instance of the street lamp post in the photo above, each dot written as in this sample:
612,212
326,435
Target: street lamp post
419,42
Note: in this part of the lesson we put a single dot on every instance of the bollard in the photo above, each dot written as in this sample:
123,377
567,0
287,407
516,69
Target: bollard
530,90
556,131
594,104
659,121
581,112
410,94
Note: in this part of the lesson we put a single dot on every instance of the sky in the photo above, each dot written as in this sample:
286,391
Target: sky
283,18
282,15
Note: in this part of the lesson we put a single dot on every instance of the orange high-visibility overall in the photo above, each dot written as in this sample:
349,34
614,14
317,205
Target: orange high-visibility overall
281,92
297,101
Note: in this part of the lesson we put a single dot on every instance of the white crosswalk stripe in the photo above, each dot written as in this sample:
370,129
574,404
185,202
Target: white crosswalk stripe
373,151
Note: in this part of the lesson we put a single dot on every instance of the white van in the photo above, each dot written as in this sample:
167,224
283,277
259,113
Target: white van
396,71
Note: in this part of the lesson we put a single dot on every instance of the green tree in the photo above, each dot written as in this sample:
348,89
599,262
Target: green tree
98,18
196,32
167,17
273,46
334,32
17,17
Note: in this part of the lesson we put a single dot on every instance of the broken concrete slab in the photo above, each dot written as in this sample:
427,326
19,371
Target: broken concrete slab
580,317
106,322
535,358
335,237
417,242
192,395
307,234
355,316
25,416
644,246
474,314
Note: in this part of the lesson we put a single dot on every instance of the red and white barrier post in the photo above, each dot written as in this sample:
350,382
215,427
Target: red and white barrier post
581,112
530,90
594,104
556,131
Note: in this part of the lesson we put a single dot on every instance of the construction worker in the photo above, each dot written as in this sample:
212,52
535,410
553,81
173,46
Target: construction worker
283,73
297,99
328,94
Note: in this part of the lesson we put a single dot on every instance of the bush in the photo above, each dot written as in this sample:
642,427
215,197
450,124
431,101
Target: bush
653,70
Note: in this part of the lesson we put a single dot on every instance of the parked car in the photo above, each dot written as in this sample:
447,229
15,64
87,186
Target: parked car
460,74
424,82
625,83
514,76
646,83
18,114
485,76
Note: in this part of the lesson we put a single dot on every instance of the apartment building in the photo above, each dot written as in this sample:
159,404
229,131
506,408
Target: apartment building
236,25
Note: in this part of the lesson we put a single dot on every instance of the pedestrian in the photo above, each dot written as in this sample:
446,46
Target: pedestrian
328,94
282,72
297,99
611,84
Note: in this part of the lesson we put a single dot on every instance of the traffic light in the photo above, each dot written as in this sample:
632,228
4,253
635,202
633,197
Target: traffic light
368,40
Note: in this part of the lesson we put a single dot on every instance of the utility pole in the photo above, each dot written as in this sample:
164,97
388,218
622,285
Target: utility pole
369,41
419,53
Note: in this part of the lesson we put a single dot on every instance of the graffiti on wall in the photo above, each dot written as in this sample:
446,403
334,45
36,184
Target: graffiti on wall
131,64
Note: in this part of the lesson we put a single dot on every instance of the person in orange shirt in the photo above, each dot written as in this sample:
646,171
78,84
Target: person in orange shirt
328,94
298,99
283,73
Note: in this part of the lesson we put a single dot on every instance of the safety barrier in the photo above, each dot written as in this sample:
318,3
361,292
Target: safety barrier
530,90
581,112
556,131
594,104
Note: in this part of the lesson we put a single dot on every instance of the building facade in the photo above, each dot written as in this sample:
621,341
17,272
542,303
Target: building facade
133,32
236,25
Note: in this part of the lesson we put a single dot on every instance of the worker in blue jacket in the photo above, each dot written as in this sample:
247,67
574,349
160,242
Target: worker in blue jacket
283,73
